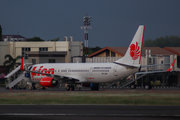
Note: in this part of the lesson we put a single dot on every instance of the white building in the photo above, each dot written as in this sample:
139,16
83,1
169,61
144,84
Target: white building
41,52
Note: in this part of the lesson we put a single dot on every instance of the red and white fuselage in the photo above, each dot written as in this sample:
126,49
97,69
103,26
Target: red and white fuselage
91,72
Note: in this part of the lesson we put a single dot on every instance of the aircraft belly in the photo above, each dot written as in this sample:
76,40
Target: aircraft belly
100,78
110,77
126,73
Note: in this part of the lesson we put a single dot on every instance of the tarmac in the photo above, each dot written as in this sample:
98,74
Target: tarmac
89,112
2,89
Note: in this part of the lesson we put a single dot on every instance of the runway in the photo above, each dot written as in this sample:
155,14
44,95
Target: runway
79,112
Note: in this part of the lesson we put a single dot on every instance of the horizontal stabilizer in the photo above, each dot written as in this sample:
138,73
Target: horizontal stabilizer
168,70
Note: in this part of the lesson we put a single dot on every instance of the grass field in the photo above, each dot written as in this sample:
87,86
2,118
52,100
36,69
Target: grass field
125,97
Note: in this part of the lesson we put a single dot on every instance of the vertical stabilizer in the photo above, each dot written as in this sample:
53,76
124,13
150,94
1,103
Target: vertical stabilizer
22,64
132,56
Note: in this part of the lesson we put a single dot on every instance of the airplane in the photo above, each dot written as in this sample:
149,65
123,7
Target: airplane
49,74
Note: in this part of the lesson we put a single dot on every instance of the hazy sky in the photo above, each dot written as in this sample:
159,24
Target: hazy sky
114,22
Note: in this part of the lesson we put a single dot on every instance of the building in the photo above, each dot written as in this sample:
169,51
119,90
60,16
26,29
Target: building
42,52
109,52
175,50
150,55
8,38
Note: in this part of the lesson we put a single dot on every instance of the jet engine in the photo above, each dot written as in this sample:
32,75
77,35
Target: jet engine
48,82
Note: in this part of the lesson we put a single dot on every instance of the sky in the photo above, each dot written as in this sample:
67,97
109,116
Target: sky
114,22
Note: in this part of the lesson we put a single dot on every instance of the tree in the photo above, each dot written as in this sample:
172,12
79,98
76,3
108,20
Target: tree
10,63
34,39
167,41
0,33
93,49
56,39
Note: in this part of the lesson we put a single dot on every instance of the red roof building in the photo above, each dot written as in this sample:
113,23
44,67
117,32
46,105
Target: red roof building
120,51
7,38
175,50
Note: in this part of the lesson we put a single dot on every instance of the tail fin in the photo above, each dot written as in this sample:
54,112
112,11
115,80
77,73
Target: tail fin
170,68
22,64
134,51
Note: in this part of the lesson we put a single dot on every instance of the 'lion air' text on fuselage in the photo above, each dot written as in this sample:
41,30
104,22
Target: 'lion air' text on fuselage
41,70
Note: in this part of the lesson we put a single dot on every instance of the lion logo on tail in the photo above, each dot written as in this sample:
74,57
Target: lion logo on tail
134,51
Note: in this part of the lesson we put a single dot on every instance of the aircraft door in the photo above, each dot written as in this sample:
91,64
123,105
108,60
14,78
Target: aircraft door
90,71
68,71
115,70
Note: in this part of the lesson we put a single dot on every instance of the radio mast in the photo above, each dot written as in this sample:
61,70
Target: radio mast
86,27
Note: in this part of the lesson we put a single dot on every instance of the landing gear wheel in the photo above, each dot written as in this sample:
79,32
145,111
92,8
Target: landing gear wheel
133,86
43,88
70,87
33,86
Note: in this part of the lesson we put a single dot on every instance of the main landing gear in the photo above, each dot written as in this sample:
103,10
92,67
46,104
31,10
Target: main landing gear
33,86
70,87
146,86
94,86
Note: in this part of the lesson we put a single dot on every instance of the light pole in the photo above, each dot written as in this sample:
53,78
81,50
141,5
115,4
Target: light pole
86,21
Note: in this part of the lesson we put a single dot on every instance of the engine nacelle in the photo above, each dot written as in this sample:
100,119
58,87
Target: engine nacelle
48,82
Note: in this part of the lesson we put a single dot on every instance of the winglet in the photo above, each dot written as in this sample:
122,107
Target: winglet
22,64
170,68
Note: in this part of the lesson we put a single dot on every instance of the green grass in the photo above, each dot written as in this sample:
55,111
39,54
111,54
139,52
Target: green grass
130,98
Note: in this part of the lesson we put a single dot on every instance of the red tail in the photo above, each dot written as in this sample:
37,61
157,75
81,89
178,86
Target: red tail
170,68
22,64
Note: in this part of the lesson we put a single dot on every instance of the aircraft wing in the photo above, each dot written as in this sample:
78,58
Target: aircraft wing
67,78
63,78
168,70
56,77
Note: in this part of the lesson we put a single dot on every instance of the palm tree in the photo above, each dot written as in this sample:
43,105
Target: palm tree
11,62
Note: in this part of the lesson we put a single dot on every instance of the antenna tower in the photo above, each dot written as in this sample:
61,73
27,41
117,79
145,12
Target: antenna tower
86,27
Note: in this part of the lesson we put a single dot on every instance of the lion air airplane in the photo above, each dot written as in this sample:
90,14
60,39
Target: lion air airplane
49,74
